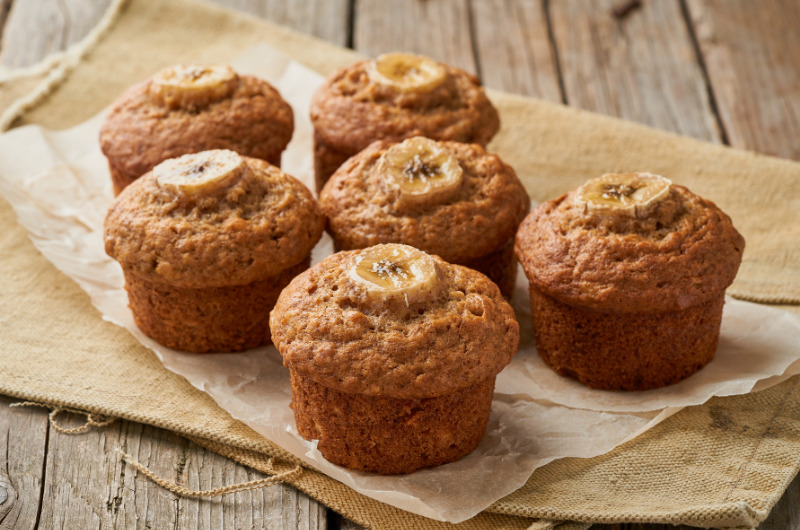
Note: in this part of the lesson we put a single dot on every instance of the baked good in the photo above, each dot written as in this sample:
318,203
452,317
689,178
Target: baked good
206,242
188,109
447,198
394,97
627,280
393,355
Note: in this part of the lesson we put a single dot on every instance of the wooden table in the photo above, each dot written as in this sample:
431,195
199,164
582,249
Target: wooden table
725,71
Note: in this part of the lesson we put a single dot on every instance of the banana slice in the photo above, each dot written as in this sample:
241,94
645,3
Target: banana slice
421,170
395,271
200,172
628,193
407,72
192,86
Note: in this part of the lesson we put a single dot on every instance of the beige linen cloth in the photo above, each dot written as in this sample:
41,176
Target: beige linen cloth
723,464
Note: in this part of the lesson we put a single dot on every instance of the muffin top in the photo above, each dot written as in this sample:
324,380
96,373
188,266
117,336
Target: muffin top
393,321
187,109
397,96
447,198
629,243
212,219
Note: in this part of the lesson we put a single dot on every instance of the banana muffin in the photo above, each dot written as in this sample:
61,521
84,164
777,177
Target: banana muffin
447,198
188,109
206,242
627,280
394,97
392,356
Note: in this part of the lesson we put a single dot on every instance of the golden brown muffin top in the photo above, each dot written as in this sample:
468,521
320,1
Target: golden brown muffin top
142,129
255,226
351,110
328,327
682,252
472,220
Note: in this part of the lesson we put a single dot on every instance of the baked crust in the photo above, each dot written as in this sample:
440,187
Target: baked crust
478,220
389,435
139,133
212,319
328,329
262,224
350,110
685,253
625,351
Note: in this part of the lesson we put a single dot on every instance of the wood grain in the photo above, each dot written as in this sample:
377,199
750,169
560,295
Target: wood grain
513,47
327,19
439,29
87,485
642,68
752,56
37,28
23,446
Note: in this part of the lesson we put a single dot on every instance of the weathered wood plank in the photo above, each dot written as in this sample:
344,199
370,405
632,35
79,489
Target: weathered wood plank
642,67
514,49
23,443
273,507
752,56
36,28
87,485
438,29
326,19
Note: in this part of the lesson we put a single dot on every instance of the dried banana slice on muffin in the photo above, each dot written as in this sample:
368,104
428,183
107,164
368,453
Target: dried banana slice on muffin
396,271
626,193
201,172
193,86
421,170
392,355
407,72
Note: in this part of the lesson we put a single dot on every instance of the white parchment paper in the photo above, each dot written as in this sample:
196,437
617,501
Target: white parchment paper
59,186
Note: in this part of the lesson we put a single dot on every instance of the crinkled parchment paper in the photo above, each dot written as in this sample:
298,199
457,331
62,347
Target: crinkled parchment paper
60,188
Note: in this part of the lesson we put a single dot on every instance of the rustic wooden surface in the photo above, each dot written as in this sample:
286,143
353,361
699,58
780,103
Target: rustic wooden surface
725,71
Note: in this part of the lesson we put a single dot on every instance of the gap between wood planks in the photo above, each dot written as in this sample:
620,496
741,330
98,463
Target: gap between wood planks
44,475
552,39
712,99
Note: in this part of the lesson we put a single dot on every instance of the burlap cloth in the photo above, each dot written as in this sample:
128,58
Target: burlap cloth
723,464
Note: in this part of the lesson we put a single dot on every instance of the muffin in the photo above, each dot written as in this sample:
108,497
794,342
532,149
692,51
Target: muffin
627,280
206,242
392,356
188,109
446,198
394,97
